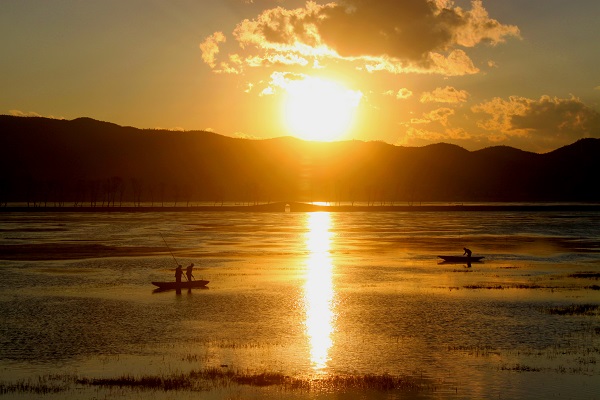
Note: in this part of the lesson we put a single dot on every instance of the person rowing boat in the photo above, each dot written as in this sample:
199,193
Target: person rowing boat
188,272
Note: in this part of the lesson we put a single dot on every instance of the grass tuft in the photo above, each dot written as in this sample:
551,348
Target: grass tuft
586,275
225,377
575,309
48,384
520,368
174,382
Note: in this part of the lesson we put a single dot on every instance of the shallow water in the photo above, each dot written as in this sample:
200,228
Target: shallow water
307,294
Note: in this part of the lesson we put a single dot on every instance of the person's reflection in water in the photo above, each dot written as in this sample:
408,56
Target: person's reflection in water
178,273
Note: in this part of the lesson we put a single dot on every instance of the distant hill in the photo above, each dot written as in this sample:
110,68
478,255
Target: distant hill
87,161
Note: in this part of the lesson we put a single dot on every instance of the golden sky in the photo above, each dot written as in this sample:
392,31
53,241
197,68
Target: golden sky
406,72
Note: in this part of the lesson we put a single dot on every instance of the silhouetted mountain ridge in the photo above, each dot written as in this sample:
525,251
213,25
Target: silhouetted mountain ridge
45,159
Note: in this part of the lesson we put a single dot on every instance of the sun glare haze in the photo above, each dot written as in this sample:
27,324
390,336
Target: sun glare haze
319,109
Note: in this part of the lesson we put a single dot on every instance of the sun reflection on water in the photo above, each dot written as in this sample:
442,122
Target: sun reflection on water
318,289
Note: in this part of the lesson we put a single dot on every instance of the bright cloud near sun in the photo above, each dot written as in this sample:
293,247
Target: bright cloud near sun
367,37
447,94
401,94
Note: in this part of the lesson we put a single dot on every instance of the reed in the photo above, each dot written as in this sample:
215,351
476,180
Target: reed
520,368
222,377
513,286
173,382
42,385
575,309
586,275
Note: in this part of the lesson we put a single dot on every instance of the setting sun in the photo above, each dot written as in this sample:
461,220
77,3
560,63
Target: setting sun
319,109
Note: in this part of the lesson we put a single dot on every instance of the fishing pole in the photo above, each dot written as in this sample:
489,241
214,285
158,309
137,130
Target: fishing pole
172,255
166,244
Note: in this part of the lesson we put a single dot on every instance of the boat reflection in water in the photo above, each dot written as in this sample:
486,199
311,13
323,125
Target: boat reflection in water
318,289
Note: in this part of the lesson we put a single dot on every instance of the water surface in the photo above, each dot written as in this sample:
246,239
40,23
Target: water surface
307,295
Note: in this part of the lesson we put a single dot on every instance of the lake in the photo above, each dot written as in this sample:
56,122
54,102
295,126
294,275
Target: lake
301,305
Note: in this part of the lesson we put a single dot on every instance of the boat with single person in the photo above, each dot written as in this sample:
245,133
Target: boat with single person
181,285
460,259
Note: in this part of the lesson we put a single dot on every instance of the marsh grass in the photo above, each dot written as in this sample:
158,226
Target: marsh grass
575,309
43,385
173,382
211,378
586,275
518,286
520,368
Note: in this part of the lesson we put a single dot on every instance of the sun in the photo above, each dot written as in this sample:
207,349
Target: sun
319,109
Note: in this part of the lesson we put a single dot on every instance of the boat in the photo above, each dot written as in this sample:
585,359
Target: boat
460,259
181,285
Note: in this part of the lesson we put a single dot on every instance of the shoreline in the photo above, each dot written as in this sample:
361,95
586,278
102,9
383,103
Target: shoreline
307,207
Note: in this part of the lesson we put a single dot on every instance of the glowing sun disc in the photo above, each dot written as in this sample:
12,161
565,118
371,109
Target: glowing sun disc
318,109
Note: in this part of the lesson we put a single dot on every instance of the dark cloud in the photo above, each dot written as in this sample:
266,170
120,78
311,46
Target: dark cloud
392,35
407,29
549,119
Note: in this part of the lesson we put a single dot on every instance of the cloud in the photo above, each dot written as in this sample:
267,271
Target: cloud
19,113
549,118
440,115
210,48
409,31
415,137
423,36
242,135
447,94
401,94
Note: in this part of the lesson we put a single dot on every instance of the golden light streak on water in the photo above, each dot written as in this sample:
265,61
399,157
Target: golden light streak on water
318,289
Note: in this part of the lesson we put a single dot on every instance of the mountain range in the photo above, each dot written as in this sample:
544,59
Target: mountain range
46,160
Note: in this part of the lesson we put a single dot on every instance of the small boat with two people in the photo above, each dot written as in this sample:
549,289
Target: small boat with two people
181,285
190,282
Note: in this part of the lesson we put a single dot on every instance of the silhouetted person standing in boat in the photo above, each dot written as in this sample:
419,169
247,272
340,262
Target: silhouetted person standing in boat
467,252
188,272
178,273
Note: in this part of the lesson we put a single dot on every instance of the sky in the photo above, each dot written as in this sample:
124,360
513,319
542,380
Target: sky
521,73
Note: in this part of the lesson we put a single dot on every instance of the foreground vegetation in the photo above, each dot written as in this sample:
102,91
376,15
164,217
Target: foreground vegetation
212,378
